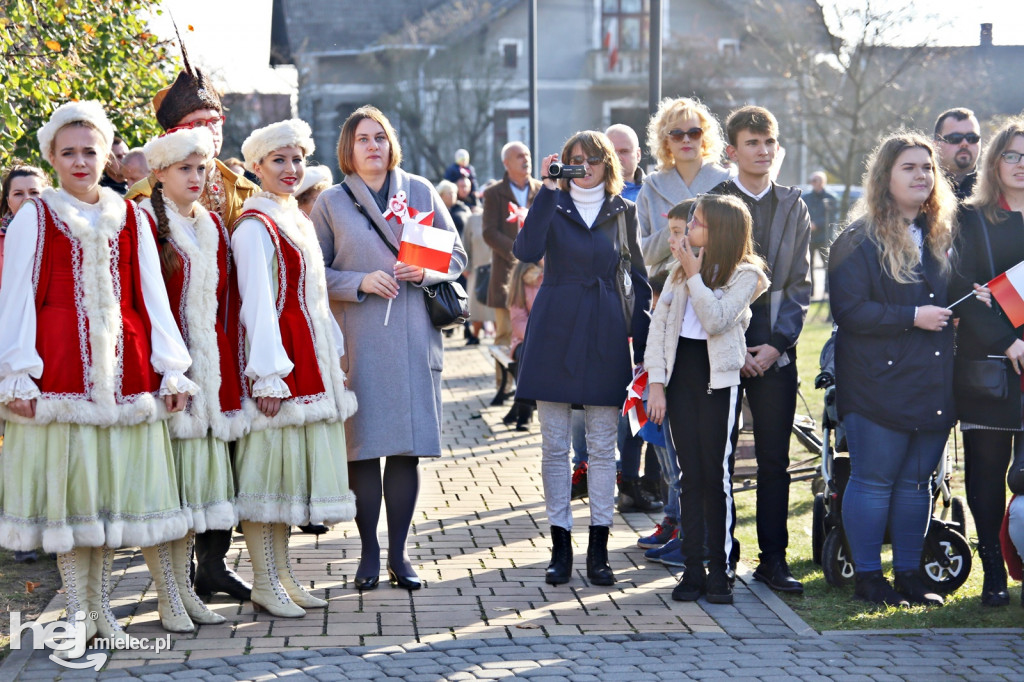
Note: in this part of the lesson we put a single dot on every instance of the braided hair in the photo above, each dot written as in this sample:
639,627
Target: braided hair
170,261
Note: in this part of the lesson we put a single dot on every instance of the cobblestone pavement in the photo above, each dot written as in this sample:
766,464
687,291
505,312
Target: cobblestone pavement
480,545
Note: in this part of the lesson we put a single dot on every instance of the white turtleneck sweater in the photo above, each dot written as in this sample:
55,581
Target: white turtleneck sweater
588,201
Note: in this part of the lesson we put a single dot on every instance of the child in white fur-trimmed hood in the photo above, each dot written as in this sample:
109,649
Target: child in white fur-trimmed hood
291,469
698,328
195,258
91,363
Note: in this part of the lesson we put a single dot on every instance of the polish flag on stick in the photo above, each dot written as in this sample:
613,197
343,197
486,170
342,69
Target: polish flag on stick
634,405
1008,290
425,246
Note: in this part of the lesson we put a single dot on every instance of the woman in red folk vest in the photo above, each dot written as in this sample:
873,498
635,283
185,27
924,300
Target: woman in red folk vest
195,259
91,362
291,468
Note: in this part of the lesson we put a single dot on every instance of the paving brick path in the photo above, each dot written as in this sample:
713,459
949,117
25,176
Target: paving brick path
480,545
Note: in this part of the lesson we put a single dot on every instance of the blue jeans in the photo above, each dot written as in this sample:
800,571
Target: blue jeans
888,485
630,449
670,472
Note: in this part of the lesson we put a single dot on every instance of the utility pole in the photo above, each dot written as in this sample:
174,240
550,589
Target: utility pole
654,59
532,68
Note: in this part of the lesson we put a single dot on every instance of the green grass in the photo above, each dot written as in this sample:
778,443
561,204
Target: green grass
828,608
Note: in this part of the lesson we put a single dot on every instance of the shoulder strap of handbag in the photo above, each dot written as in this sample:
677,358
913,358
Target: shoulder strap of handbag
988,244
359,207
623,248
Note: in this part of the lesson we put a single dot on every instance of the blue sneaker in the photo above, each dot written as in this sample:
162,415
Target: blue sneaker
656,553
674,558
663,532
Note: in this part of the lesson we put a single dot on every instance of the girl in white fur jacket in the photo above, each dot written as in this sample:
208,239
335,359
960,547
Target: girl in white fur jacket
698,327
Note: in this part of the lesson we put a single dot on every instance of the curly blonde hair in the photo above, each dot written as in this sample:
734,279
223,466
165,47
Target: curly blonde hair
670,112
989,189
884,223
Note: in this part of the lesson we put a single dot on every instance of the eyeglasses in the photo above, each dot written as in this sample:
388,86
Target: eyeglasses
677,135
591,160
1012,157
199,123
957,138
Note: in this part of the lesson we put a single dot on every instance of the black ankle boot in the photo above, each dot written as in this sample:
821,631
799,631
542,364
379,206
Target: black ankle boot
525,418
872,587
560,568
633,498
512,415
911,586
598,570
993,587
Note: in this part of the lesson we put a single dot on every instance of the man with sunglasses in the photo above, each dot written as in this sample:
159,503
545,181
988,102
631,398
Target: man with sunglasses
191,102
958,137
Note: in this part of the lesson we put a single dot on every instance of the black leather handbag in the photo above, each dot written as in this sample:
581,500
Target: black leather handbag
624,278
985,378
447,302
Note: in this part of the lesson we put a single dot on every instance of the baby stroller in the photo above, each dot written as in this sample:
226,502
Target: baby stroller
946,559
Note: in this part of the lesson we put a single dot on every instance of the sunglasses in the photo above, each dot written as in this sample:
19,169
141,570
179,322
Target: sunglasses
677,135
1012,157
957,138
591,160
201,123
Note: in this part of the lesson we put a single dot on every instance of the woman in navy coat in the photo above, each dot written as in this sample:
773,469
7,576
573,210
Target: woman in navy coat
576,349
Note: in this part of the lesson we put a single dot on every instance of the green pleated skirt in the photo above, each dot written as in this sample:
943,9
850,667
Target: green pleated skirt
76,485
294,475
206,483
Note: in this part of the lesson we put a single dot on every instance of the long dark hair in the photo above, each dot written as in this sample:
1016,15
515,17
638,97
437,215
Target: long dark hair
170,261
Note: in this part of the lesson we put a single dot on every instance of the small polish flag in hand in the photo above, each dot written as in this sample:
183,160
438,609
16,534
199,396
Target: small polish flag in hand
1008,290
426,246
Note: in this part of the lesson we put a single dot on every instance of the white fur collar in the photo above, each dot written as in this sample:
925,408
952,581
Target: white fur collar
285,213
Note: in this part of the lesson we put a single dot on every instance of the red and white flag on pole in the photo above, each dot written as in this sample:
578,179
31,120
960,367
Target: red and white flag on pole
634,406
1008,290
426,246
611,42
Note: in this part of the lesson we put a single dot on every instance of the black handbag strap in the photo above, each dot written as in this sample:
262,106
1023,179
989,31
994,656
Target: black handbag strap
359,207
988,244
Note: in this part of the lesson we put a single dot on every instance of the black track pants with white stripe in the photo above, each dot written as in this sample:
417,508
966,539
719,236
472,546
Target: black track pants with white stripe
705,426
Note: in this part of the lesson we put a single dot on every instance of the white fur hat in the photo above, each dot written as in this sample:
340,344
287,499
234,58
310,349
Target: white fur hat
89,111
171,148
314,176
293,132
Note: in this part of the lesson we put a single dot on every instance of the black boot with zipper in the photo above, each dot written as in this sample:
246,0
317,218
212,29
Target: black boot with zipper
598,570
560,569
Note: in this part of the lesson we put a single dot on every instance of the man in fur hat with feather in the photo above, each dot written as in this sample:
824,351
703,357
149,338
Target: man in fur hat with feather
192,102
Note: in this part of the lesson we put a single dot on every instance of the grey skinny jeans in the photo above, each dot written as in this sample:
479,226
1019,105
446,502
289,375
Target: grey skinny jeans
556,438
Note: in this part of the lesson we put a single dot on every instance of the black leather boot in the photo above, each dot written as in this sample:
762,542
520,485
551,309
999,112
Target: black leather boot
560,568
525,417
211,573
512,415
872,587
598,570
993,587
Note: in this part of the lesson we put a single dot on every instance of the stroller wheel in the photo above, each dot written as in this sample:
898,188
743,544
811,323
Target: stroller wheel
817,527
946,558
835,564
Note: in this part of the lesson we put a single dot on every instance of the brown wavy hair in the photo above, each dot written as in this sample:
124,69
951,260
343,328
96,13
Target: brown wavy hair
885,225
989,189
596,143
729,237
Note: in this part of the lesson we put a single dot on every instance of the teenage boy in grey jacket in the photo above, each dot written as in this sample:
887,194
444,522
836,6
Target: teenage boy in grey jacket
782,234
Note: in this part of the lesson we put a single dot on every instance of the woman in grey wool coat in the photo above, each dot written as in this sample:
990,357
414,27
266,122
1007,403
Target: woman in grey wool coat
395,369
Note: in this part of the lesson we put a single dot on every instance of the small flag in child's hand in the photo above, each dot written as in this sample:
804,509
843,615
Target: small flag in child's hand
634,406
1008,290
425,246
